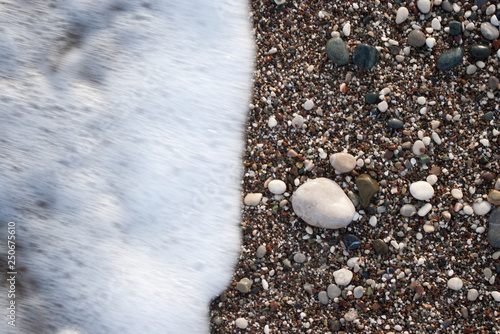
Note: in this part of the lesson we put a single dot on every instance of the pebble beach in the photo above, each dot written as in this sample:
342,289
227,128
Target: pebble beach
371,178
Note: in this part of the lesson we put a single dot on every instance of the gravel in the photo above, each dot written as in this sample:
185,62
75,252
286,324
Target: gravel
405,260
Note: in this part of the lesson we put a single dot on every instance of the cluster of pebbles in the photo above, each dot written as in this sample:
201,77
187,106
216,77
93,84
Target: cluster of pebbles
371,185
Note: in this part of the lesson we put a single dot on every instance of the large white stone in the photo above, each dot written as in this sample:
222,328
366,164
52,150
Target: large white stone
277,187
252,199
402,15
481,208
322,203
455,283
343,162
424,6
421,190
343,276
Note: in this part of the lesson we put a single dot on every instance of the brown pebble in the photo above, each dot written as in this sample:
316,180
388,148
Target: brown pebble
389,154
488,176
291,154
436,170
273,306
494,197
496,44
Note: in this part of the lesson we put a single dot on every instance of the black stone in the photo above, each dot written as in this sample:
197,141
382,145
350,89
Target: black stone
380,246
479,51
371,98
449,59
351,241
395,123
455,28
480,3
365,56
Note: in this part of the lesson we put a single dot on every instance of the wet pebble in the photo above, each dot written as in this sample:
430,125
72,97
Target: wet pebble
480,51
395,123
489,31
380,246
417,38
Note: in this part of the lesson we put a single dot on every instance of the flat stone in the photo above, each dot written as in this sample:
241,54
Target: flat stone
449,59
481,208
343,162
299,258
489,31
321,202
416,38
261,251
480,3
367,188
336,50
480,51
495,295
395,123
421,190
241,323
351,241
494,197
351,316
252,199
358,292
277,187
333,291
365,56
380,246
447,6
323,297
424,6
455,283
494,228
472,294
408,210
455,28
402,15
371,98
244,285
343,276
493,83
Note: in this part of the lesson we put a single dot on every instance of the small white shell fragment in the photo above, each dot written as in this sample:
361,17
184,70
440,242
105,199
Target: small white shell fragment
346,30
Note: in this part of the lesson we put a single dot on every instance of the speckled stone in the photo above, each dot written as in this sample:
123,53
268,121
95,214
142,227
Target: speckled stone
367,187
380,246
365,56
449,59
480,51
493,83
336,50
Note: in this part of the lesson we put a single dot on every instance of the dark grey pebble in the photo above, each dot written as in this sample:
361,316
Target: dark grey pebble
380,246
447,6
480,3
424,159
449,59
351,241
416,38
480,51
493,83
336,50
488,116
371,98
446,323
365,56
455,28
494,228
396,123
